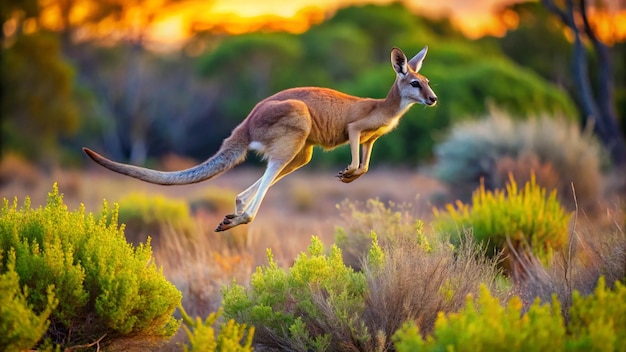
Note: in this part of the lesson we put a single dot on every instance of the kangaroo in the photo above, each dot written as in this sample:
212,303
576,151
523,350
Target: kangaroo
285,127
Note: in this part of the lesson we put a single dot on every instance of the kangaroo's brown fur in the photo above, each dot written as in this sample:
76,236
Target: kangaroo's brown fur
285,127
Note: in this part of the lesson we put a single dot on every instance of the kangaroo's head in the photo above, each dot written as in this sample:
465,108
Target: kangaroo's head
413,87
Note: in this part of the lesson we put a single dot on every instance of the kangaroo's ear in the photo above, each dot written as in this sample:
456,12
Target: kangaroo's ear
417,60
399,62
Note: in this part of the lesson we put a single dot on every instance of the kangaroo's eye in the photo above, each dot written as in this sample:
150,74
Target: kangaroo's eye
416,84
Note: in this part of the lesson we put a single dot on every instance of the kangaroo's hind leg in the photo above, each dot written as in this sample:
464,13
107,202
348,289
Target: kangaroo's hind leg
244,198
232,220
286,149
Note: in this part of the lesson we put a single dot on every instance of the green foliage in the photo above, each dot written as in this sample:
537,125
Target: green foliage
596,323
556,151
283,303
485,325
526,217
20,327
204,337
394,18
151,215
104,286
550,56
40,107
259,63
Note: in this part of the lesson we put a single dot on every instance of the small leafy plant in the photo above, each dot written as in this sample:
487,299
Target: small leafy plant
523,218
80,276
205,336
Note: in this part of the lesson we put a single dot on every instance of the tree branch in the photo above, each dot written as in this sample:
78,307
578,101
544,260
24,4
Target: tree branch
97,342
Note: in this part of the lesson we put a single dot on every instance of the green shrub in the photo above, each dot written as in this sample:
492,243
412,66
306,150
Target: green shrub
527,218
282,304
203,337
596,323
321,304
150,215
20,326
106,289
556,151
486,325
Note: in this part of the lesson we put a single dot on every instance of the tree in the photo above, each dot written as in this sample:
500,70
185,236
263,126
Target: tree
538,42
599,108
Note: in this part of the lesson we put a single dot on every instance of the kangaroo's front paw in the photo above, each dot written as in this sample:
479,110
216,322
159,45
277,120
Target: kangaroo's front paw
345,172
348,175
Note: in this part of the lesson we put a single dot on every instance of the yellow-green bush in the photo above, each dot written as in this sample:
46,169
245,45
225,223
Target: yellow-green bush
528,217
596,323
150,215
20,326
282,304
105,287
204,337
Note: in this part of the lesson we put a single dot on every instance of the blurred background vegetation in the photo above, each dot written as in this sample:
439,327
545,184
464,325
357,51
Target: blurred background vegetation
69,85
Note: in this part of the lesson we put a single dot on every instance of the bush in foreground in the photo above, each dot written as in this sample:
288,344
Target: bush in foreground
596,323
107,290
321,304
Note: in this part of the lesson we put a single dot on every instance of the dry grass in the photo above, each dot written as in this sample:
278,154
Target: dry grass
417,283
594,249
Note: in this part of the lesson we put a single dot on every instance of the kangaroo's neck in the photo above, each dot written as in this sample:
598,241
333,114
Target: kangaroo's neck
394,105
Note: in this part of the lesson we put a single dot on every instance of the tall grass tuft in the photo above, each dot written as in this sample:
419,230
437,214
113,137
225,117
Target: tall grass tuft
591,252
489,149
418,280
388,221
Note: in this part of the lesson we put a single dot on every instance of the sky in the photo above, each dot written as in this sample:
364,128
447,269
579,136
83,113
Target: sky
473,17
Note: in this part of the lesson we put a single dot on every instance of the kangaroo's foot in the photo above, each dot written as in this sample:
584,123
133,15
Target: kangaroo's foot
232,220
348,175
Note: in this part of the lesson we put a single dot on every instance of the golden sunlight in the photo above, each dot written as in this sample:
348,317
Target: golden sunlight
474,18
166,27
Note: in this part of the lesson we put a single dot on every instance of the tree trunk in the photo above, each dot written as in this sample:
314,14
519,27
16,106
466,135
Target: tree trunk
607,126
597,110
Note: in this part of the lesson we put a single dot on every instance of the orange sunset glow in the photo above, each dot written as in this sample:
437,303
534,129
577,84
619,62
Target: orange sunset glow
474,18
167,26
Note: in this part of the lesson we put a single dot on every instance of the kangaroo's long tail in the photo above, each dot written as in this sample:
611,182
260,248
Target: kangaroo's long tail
232,152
